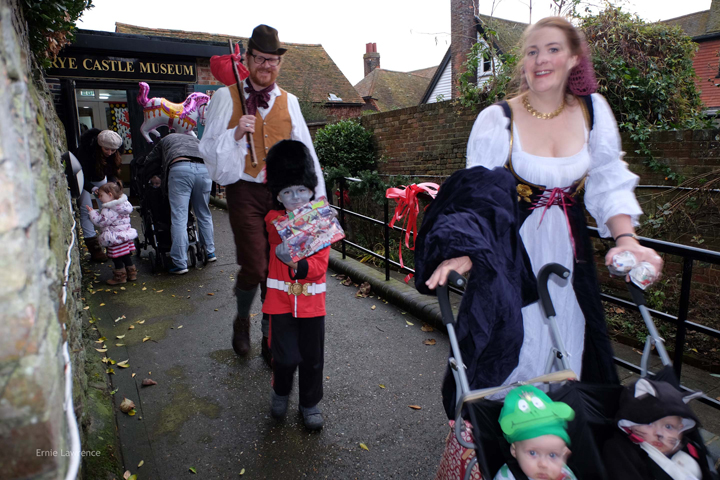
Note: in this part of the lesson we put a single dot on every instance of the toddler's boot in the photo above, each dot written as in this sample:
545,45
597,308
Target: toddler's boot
119,276
241,336
312,417
278,405
131,273
96,251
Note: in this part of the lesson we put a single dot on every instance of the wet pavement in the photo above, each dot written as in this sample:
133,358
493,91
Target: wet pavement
210,409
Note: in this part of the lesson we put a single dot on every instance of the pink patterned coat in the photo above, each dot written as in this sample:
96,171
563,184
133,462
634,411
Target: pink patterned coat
114,219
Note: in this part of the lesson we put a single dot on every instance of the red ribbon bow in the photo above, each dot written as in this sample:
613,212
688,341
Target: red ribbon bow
408,208
562,198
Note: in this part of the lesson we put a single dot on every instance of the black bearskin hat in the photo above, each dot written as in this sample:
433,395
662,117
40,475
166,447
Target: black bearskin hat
289,163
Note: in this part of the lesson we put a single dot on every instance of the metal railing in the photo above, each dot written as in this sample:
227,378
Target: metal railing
689,255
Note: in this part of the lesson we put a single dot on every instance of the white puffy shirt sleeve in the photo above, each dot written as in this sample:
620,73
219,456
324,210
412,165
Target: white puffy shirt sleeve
489,141
301,133
224,157
610,185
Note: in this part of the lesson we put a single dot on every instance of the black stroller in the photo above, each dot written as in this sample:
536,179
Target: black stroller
155,219
595,405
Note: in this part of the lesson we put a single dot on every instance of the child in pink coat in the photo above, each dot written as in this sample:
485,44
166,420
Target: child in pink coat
117,234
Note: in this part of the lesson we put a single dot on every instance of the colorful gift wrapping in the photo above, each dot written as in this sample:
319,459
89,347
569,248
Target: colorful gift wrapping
309,229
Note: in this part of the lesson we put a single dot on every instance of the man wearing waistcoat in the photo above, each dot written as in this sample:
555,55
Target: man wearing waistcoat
273,115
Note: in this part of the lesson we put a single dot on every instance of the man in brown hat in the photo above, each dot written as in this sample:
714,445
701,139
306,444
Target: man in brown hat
273,115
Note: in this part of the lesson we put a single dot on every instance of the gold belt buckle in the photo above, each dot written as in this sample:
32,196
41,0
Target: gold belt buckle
297,289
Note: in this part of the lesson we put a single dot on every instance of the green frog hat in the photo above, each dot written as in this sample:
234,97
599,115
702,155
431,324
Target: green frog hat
529,413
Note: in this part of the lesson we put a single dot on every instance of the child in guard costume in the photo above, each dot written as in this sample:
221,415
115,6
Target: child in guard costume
295,298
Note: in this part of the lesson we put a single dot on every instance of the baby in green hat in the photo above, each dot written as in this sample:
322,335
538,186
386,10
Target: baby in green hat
535,426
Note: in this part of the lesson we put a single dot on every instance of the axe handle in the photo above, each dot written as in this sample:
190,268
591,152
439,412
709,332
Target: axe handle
243,106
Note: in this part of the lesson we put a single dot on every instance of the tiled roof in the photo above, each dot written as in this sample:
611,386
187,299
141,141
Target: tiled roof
694,24
508,33
307,70
392,90
425,72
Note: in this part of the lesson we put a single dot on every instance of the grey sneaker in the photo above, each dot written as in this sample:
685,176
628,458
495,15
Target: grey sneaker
278,405
312,417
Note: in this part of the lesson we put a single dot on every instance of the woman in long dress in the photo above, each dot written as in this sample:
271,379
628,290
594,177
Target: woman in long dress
556,144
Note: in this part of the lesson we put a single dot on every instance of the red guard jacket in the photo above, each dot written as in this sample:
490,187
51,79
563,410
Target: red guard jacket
311,272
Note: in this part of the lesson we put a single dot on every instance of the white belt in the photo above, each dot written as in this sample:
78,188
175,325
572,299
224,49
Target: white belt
296,288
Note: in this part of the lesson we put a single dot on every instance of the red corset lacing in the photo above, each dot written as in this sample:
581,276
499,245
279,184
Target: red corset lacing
561,197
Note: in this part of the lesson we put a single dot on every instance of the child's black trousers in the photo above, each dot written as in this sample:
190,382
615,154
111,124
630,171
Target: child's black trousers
298,343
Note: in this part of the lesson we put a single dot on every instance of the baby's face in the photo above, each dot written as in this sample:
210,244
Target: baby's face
294,196
155,181
664,434
541,458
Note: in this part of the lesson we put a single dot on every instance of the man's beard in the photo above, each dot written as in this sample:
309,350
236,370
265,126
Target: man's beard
256,80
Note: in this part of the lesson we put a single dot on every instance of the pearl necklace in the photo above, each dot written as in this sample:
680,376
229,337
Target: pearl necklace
542,116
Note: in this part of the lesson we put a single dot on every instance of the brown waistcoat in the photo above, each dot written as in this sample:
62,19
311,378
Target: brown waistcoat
276,126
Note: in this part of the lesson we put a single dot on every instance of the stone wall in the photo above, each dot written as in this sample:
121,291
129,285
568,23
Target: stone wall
35,231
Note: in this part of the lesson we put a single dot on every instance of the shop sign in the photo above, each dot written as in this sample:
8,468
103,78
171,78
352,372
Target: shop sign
117,68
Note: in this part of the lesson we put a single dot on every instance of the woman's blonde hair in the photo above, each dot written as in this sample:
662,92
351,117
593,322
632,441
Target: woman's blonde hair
581,80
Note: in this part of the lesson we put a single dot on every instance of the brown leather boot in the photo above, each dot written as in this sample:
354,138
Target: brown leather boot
241,336
131,273
119,276
96,251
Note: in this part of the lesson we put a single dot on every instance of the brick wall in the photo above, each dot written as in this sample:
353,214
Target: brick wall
35,231
707,66
204,76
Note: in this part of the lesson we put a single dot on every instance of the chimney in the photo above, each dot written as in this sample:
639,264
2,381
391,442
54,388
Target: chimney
713,24
371,59
463,35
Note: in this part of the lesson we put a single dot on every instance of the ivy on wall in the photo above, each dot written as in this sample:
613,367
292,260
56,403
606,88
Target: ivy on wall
51,24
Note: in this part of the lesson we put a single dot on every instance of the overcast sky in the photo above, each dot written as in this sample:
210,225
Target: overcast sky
410,34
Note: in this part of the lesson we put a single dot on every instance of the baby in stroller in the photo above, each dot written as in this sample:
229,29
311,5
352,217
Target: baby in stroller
652,442
536,428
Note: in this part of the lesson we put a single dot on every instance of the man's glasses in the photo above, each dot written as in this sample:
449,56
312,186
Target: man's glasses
259,60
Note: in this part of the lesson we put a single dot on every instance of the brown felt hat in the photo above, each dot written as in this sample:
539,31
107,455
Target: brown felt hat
265,39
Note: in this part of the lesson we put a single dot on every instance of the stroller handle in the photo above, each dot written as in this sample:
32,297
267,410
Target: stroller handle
543,277
443,294
637,294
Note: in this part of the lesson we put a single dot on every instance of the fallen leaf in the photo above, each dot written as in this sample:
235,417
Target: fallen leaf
694,350
381,385
119,344
347,282
119,318
114,391
148,382
144,288
160,291
126,475
126,405
119,337
409,323
415,407
133,477
101,350
364,447
192,469
242,472
216,309
110,371
102,304
146,339
426,328
131,327
180,326
211,294
105,359
86,308
142,462
430,341
123,364
112,362
133,375
364,290
122,288
140,322
101,340
373,307
92,320
132,412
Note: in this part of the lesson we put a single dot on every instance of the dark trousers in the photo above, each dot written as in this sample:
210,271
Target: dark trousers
122,262
298,343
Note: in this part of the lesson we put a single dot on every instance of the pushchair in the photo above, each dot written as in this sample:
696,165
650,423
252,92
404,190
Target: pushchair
155,218
595,405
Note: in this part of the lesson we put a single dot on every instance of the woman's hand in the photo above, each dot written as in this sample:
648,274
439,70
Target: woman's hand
439,277
89,208
246,124
94,190
642,254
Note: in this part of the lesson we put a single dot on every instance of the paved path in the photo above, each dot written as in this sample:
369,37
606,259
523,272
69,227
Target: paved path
210,408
